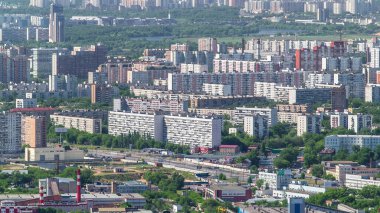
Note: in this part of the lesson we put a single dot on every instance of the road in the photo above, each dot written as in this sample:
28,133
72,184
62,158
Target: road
173,163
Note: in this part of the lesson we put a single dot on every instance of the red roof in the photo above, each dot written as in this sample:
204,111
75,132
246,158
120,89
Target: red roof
228,146
35,109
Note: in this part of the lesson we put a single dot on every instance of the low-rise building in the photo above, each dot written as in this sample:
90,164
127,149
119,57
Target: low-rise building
347,142
52,154
360,181
229,149
232,193
276,180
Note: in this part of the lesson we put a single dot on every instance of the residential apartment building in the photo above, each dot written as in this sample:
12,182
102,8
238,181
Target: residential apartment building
26,103
276,180
347,142
355,122
256,125
190,131
10,133
360,181
241,112
102,93
80,61
372,93
120,123
34,131
63,83
42,61
217,89
56,23
151,105
308,123
90,125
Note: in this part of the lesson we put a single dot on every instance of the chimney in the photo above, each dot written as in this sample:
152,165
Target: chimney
78,187
41,201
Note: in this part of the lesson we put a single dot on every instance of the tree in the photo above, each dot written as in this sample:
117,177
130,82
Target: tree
317,170
259,183
249,180
281,163
222,176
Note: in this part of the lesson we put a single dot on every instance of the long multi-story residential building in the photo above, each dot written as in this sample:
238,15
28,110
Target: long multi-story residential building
347,142
79,62
151,105
190,131
355,122
90,125
10,133
241,83
276,180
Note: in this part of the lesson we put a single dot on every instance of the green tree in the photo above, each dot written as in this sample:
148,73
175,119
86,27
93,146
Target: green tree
317,170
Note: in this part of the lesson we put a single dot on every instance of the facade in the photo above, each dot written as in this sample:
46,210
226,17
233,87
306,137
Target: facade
34,130
309,95
130,187
241,112
90,125
10,133
217,89
360,181
372,93
190,131
56,23
42,61
256,125
308,124
120,123
276,180
208,44
102,93
347,142
26,103
63,83
151,105
355,122
52,154
80,61
229,193
229,149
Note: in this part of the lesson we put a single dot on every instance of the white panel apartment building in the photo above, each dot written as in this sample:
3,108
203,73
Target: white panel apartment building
272,91
191,131
90,125
256,125
124,123
346,142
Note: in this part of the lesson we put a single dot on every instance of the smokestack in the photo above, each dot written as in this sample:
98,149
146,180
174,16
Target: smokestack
78,187
41,201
